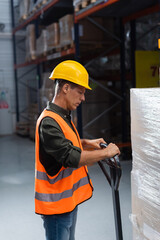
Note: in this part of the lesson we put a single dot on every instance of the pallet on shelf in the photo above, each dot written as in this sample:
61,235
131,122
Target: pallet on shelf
67,46
53,50
59,49
23,10
80,4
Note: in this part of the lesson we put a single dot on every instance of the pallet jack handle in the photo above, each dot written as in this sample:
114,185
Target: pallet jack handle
114,179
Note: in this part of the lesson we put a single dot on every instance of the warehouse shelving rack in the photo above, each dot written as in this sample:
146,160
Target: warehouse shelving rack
62,7
126,11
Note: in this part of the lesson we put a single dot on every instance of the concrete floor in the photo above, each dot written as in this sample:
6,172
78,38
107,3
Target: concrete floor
18,220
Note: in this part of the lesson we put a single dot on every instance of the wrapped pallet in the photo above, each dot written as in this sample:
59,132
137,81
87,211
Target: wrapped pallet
38,4
31,7
76,4
30,43
66,25
52,35
145,175
24,9
41,44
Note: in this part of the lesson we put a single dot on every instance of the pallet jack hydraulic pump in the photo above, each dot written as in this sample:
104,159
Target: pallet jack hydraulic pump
113,178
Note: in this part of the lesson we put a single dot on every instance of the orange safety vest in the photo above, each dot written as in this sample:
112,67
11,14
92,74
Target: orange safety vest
69,187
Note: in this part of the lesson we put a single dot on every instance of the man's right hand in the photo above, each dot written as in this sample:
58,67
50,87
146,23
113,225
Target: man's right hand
111,150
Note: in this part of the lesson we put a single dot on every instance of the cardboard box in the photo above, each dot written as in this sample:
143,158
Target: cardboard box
66,25
24,9
30,43
41,44
53,35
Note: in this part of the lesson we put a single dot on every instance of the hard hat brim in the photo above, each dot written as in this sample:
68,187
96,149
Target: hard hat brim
70,80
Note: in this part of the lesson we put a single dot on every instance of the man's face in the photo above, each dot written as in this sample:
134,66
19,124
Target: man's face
74,97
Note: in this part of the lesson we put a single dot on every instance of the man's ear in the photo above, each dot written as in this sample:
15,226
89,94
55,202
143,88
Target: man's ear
65,87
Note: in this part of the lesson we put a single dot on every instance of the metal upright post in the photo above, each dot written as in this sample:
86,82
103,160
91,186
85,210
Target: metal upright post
39,84
76,38
123,81
15,61
77,56
133,48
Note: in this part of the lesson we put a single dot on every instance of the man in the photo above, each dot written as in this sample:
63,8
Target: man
62,181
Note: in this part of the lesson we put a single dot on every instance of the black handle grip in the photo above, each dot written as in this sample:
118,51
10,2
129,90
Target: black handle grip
103,145
114,160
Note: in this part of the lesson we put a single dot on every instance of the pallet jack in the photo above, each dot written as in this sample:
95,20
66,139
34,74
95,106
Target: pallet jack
113,178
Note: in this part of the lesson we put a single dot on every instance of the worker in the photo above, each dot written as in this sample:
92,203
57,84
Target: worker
61,180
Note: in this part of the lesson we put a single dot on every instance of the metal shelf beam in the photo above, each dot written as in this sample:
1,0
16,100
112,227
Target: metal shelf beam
142,13
95,8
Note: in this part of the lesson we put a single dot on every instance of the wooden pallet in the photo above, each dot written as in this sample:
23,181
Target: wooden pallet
67,46
59,48
53,50
61,51
39,6
23,18
83,4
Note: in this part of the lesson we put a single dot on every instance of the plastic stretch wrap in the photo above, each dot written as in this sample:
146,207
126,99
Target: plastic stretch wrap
30,43
145,176
24,9
53,35
66,26
41,43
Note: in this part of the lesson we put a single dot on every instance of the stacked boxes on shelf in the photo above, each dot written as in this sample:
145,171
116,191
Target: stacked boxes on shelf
29,7
53,36
41,44
57,36
145,175
38,4
66,25
80,4
77,4
30,43
48,39
24,6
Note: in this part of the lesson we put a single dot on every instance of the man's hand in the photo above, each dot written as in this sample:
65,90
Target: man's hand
90,157
111,150
89,144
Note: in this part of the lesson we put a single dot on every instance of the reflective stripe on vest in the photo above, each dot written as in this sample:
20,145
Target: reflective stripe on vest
58,196
69,187
63,174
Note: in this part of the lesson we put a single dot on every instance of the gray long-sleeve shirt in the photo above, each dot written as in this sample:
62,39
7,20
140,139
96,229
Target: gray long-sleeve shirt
55,150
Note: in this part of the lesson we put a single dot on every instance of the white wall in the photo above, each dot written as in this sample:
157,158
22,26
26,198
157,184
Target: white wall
6,69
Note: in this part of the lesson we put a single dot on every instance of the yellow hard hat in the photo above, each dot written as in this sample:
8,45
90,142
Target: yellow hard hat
71,71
